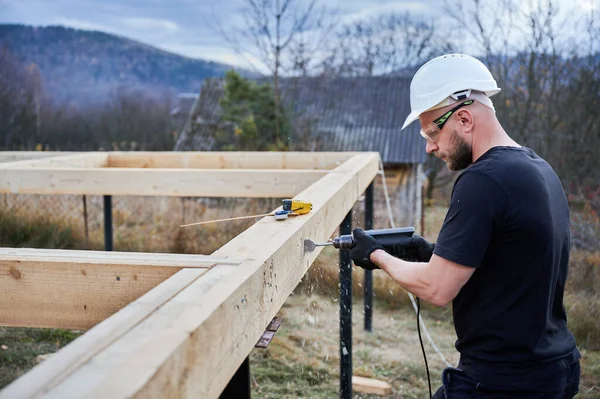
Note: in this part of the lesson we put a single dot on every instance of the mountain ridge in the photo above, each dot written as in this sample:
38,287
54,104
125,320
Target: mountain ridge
87,66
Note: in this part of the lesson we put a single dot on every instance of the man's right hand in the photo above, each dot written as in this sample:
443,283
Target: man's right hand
414,248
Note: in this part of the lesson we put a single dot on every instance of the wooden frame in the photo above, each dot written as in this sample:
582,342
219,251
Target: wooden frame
219,174
187,336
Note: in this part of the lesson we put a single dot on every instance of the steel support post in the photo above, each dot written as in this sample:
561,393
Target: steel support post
239,385
346,314
368,283
108,226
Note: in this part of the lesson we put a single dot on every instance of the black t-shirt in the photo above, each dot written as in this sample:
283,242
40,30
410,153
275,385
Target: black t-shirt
509,219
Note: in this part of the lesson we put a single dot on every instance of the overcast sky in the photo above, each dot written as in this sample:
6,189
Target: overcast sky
184,26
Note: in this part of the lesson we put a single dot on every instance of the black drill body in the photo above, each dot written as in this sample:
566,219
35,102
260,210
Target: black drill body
387,238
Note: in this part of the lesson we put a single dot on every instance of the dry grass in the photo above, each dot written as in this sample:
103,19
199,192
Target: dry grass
582,299
140,224
305,351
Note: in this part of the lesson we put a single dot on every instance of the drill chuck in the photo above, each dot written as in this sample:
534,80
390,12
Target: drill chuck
344,242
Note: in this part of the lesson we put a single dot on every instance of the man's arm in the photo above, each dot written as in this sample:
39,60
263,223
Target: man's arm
437,282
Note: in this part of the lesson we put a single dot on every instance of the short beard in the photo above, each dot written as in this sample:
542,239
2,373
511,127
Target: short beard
462,155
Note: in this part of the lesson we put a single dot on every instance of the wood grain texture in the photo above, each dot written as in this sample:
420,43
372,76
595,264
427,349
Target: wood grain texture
192,345
11,156
55,369
43,257
77,289
71,295
68,160
228,160
252,183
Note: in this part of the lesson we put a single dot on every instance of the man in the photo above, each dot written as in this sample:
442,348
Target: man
503,251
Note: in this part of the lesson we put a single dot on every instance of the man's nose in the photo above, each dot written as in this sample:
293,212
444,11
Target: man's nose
431,147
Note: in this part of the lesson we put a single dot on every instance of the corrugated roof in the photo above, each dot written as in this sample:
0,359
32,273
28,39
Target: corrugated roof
342,113
358,114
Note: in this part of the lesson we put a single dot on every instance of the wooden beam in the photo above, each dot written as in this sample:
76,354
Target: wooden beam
228,160
255,183
11,156
370,386
191,346
41,257
75,160
78,289
46,375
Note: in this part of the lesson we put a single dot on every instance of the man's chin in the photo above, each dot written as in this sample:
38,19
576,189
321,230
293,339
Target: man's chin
455,167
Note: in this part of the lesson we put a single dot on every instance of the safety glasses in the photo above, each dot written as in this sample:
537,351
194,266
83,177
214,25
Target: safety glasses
431,131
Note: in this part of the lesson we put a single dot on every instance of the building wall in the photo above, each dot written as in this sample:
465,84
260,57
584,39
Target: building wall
404,184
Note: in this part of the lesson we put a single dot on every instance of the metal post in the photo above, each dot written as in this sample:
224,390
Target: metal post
346,315
108,227
85,223
239,385
368,283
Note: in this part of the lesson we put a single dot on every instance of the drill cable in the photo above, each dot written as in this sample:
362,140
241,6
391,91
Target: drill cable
412,298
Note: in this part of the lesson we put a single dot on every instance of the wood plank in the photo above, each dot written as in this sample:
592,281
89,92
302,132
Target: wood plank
78,301
71,295
228,160
371,386
75,160
56,368
11,156
255,183
42,257
192,345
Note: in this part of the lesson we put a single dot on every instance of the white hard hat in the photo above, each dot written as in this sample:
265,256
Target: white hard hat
443,76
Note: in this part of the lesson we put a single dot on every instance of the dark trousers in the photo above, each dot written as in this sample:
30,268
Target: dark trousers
456,384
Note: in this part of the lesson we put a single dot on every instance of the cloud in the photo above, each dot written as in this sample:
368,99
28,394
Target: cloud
222,54
84,24
588,5
150,24
366,10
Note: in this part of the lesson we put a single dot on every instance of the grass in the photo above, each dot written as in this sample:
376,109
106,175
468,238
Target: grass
309,340
35,233
21,346
303,359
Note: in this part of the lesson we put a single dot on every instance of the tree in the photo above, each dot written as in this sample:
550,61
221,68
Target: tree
249,120
19,90
387,44
276,29
548,77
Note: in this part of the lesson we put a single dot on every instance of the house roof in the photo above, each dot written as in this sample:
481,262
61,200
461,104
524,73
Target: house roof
358,114
342,113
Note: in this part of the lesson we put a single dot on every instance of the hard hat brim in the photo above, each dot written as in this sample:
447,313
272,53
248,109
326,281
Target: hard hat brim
413,116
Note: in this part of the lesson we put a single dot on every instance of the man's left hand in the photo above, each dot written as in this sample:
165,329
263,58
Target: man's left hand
365,246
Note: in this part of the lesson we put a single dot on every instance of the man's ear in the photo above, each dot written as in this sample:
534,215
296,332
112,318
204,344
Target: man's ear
465,118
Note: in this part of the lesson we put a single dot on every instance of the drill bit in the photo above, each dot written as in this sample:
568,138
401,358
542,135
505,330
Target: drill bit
310,246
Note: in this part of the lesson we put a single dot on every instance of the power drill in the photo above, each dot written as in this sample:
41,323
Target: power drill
387,238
